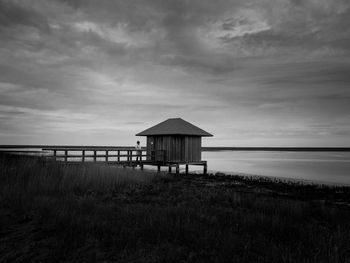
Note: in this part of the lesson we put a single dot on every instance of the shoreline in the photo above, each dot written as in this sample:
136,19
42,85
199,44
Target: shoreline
265,177
278,149
282,179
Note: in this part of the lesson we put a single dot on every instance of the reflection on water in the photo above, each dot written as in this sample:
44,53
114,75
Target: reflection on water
331,167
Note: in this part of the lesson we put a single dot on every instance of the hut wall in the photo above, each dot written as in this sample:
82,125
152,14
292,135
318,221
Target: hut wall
193,149
176,148
150,147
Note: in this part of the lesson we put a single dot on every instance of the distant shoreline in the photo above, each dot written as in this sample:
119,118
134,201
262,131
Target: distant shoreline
287,149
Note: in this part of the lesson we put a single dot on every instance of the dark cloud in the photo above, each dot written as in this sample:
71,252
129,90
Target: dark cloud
13,14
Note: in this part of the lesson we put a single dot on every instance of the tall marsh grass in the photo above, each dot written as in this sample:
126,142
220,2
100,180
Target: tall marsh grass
24,179
58,213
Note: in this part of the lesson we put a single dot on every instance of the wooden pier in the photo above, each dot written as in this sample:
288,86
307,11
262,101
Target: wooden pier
121,156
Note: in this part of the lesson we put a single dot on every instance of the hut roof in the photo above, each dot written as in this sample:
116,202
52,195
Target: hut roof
175,126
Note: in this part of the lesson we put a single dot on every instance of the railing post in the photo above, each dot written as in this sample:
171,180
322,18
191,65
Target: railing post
118,156
83,158
107,156
55,155
177,168
65,155
95,156
205,167
186,168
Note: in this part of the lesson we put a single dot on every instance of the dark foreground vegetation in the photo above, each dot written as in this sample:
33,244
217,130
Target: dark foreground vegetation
95,213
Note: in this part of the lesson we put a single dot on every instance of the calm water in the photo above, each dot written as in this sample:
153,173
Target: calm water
328,167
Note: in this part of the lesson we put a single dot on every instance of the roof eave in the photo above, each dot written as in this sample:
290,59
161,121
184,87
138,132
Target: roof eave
199,135
139,134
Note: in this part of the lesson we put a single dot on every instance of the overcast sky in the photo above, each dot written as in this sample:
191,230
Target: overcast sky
251,72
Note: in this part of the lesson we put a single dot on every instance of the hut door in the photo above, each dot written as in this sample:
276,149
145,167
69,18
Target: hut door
151,149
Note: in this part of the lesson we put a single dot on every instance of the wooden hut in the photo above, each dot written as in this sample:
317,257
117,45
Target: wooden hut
174,141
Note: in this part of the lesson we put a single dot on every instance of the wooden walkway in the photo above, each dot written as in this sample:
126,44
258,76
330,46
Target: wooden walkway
122,156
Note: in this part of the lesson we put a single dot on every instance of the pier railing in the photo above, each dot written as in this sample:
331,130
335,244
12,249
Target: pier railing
78,154
118,155
86,154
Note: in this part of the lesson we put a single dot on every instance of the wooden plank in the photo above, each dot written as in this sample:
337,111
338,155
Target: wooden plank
150,147
72,148
168,148
115,148
183,148
193,149
19,151
97,155
201,163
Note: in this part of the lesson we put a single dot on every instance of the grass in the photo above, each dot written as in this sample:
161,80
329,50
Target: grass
95,213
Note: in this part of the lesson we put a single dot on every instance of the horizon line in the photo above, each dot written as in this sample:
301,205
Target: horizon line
204,148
